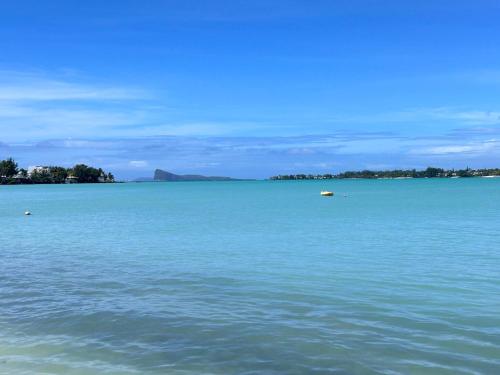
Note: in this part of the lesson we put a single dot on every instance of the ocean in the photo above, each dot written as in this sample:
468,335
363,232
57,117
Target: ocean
251,277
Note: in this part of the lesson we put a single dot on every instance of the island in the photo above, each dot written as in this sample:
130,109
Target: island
430,172
11,174
161,175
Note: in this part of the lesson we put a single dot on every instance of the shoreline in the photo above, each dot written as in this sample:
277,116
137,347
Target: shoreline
381,178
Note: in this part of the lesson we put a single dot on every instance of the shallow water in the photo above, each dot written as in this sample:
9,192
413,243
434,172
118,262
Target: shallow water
399,277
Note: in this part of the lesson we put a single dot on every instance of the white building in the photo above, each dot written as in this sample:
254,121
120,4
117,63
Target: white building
71,180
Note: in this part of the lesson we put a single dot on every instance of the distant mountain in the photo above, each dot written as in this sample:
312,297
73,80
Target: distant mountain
161,175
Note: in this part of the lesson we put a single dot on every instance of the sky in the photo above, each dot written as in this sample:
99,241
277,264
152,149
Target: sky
250,89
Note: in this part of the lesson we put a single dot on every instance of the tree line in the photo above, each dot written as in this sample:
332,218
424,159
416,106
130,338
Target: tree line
10,173
430,172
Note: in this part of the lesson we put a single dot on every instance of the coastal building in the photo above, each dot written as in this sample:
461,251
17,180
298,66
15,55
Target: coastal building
20,175
71,180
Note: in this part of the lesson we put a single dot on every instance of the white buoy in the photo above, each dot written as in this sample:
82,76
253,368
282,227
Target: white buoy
27,213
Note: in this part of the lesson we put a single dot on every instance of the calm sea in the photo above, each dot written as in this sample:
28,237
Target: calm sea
396,277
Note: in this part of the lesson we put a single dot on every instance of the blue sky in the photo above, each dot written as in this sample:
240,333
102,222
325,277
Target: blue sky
250,88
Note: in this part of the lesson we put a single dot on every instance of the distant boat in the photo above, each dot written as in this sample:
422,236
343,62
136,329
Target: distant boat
327,193
27,213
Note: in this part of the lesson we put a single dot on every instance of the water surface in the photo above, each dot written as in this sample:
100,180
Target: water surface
398,277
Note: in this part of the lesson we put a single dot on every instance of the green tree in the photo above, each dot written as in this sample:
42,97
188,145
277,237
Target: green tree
8,168
58,174
41,177
433,172
85,174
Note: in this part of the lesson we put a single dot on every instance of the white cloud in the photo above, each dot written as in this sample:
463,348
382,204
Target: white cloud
33,106
201,128
423,115
259,156
52,91
19,86
467,117
484,76
138,163
478,147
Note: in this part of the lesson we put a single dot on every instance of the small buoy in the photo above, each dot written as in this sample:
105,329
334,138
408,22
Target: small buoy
327,193
27,213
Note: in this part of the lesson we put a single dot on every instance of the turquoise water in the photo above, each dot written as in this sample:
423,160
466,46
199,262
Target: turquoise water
399,277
